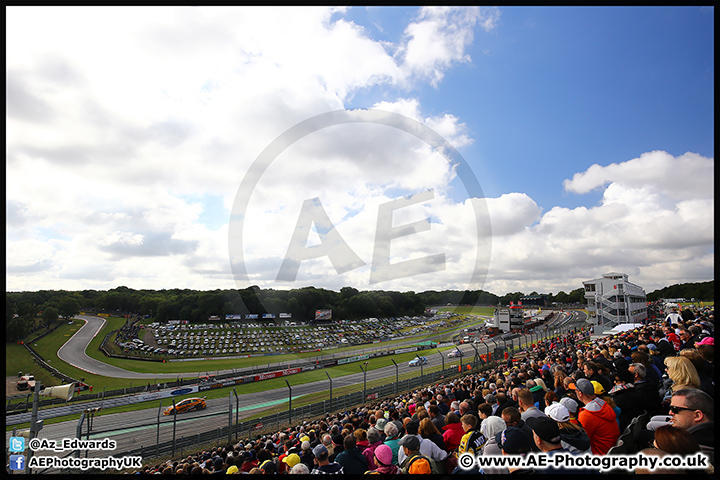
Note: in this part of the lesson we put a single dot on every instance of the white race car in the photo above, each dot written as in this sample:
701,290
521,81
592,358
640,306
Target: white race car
417,361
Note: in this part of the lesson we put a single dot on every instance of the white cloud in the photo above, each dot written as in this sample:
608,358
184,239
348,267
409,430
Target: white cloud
439,37
674,177
114,143
655,222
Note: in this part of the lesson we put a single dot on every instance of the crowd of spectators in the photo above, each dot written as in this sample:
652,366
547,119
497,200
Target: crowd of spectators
127,332
567,394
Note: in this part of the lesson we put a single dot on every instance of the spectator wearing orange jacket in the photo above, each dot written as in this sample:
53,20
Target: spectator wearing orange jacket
597,418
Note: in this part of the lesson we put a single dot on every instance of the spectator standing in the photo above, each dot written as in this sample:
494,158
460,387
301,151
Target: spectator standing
687,315
672,317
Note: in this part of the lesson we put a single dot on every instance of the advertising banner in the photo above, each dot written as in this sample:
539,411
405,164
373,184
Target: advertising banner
170,392
405,350
184,390
280,373
356,358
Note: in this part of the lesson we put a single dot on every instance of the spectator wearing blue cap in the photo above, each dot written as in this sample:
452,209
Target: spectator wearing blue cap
323,464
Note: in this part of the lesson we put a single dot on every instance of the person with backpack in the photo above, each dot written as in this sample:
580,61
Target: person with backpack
415,462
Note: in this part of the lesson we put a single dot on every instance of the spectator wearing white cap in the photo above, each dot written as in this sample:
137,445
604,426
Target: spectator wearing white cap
573,437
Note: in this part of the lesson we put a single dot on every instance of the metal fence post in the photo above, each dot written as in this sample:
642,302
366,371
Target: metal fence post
157,441
230,417
289,402
174,426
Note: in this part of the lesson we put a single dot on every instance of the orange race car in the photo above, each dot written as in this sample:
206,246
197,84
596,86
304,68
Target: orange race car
186,405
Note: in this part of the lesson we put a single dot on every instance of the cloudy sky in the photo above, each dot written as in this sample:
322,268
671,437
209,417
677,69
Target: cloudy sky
508,149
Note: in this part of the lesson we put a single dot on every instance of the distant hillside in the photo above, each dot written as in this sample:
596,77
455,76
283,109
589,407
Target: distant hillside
704,291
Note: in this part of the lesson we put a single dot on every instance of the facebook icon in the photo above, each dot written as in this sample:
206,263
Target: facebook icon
17,462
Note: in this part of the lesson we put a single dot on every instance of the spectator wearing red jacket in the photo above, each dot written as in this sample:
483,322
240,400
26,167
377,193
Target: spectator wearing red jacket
452,432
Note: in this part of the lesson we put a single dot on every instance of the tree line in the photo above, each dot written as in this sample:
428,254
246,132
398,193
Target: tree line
703,291
26,311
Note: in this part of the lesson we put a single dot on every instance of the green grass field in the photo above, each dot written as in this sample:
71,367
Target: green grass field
469,310
19,360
